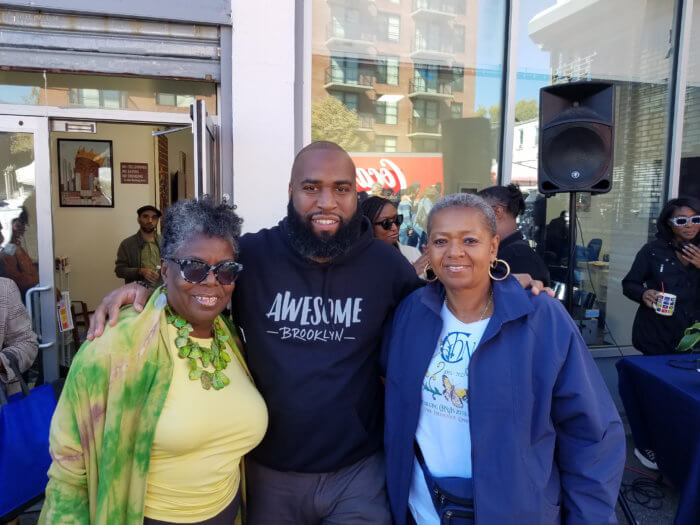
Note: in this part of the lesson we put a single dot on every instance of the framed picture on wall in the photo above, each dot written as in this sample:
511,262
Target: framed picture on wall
85,173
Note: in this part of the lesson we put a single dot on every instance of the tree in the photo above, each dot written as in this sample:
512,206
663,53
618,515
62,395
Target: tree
331,120
525,109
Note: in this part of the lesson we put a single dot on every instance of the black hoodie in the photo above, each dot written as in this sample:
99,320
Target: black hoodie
313,333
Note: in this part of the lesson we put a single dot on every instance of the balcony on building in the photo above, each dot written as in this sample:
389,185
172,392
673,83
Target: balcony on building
432,52
349,79
352,37
435,9
366,122
434,89
350,3
419,127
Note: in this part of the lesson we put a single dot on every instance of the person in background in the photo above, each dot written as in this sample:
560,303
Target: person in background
138,257
405,209
15,262
496,388
669,263
17,341
557,238
385,219
507,203
156,415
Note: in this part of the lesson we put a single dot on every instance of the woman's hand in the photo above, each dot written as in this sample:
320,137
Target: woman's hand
535,286
691,254
649,297
132,293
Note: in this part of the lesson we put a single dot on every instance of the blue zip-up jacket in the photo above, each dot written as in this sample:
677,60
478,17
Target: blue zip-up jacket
547,442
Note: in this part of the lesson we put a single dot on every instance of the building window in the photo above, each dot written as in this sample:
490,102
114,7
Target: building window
344,70
350,100
426,146
458,79
389,27
387,112
97,98
427,110
459,40
173,100
345,23
456,110
385,143
425,78
388,70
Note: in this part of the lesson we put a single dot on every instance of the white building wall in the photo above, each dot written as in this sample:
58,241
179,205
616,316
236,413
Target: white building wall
263,109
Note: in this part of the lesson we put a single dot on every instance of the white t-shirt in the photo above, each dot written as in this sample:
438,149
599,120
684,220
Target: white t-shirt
443,425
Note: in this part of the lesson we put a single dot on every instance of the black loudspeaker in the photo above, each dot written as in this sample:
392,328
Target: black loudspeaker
576,137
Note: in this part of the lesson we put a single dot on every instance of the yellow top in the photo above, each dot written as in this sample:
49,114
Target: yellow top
200,438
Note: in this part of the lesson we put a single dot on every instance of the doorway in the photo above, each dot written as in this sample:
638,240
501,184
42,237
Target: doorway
69,191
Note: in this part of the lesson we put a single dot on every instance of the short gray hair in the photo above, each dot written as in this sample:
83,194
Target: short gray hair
190,217
464,200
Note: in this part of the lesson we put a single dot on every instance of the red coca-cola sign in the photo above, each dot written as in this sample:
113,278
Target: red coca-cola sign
396,172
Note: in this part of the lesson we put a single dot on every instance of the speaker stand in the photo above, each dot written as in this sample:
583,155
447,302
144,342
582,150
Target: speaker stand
569,302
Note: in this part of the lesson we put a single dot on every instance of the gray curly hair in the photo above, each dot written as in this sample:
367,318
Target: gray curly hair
464,200
190,217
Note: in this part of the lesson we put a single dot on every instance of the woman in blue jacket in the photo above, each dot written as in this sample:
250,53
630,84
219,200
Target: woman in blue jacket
497,388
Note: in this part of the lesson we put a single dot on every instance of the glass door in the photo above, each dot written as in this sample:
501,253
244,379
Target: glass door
207,170
26,234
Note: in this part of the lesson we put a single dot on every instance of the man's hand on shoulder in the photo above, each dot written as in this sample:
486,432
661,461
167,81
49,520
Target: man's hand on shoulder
132,293
535,286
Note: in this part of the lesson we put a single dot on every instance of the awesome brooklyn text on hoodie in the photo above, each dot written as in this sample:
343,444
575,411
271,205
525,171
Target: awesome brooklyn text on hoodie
313,333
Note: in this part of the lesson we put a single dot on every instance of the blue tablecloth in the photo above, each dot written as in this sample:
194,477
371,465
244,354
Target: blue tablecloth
663,408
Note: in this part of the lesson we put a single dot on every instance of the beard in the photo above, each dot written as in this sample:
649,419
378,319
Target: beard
313,246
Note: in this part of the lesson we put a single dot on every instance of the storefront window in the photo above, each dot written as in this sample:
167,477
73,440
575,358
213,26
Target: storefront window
96,91
637,57
690,156
434,67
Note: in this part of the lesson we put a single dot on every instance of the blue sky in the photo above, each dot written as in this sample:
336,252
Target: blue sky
533,63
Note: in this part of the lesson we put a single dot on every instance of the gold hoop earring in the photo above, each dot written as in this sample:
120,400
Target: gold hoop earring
425,272
495,265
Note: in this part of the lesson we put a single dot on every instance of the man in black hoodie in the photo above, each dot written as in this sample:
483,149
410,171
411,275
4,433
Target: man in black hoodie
312,303
312,312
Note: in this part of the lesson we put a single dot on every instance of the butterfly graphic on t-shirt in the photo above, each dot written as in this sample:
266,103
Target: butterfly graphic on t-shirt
457,396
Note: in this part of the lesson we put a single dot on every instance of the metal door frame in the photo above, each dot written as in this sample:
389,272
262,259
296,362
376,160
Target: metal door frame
39,127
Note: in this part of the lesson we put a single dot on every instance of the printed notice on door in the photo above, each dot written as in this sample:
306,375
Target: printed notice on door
134,173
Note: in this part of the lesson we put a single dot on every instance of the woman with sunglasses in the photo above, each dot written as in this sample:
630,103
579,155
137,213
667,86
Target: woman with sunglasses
670,263
386,222
156,415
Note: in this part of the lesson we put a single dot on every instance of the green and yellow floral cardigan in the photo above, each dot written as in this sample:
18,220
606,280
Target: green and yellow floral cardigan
102,431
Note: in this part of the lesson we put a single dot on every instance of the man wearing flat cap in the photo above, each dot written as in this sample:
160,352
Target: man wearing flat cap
138,257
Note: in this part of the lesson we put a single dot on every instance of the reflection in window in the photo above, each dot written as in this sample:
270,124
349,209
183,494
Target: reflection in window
457,79
423,104
97,98
389,27
640,70
388,70
348,99
171,99
387,112
385,143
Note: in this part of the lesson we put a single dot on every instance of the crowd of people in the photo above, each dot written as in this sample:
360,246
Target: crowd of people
331,392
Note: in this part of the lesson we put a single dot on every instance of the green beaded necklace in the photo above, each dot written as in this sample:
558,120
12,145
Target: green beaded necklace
217,356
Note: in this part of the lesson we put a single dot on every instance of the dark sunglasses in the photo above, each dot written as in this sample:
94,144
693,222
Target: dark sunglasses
386,223
682,221
195,271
